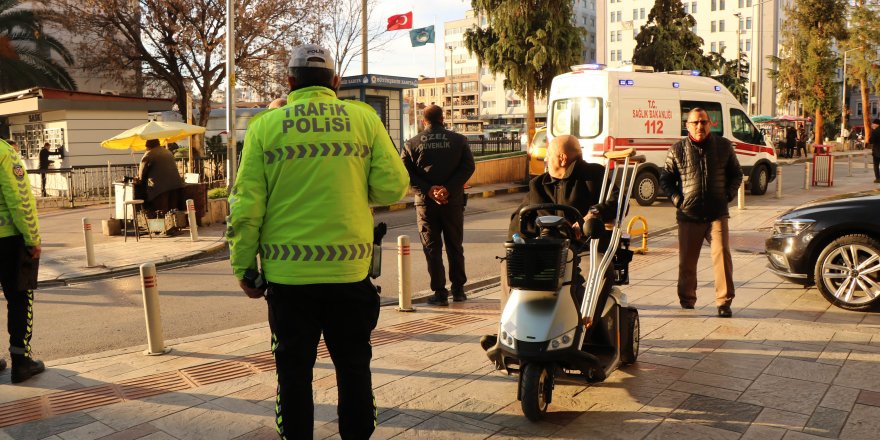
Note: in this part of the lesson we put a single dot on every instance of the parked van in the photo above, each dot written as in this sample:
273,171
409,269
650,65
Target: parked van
609,109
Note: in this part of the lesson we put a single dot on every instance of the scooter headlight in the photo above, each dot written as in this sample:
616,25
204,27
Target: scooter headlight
507,339
563,341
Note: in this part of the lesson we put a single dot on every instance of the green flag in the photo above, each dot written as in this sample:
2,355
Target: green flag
422,36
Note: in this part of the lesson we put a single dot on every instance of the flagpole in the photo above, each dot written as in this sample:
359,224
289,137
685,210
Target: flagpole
435,53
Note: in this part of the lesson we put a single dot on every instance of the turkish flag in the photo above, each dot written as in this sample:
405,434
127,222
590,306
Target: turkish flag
402,21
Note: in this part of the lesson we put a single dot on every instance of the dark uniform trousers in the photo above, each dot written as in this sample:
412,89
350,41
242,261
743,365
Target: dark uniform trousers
447,220
18,278
346,314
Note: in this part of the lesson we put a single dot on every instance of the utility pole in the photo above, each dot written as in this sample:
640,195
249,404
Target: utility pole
231,147
364,36
451,93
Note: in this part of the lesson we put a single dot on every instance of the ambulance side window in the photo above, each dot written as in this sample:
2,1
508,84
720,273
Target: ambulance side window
716,115
742,129
579,117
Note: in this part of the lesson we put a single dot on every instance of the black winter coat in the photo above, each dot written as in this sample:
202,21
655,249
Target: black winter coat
701,181
874,141
580,189
438,156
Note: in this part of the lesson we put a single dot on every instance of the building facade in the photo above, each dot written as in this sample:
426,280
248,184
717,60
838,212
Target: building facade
752,25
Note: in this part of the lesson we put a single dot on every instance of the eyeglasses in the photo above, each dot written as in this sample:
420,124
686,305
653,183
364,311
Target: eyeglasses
698,122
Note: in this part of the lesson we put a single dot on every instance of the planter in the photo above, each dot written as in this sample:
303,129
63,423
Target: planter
218,209
501,170
111,227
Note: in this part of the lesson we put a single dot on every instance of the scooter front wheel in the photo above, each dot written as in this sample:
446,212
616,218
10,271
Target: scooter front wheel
536,388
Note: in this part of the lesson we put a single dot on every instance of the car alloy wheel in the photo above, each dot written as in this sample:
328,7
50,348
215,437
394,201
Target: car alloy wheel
847,272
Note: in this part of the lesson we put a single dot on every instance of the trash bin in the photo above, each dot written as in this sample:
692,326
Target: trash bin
823,166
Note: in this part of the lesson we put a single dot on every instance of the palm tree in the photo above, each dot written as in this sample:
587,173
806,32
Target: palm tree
26,52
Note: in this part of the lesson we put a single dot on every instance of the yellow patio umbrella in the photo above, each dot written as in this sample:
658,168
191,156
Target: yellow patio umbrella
166,132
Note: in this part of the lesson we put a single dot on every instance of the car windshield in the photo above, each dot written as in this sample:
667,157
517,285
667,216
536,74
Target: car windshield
540,140
579,117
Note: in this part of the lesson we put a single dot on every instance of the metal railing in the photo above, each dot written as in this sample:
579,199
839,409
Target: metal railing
485,147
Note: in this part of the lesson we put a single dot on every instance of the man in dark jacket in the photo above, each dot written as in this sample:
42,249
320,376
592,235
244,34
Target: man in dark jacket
874,141
569,180
439,163
44,164
160,177
701,176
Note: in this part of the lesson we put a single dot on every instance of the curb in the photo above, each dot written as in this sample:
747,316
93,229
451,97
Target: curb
133,269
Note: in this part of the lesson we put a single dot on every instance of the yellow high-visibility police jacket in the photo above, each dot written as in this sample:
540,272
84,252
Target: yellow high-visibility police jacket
309,172
18,208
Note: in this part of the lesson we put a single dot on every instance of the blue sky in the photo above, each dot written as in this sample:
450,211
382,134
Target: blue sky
399,58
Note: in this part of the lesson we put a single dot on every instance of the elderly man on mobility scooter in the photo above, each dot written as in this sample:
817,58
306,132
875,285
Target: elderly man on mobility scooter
545,333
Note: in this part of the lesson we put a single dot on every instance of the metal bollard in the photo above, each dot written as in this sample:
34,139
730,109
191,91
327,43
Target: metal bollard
150,290
741,196
404,281
778,182
90,244
807,175
191,217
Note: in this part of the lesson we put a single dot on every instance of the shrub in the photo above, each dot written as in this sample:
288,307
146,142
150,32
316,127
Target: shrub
218,193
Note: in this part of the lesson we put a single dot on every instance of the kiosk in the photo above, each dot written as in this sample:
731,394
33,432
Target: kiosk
385,94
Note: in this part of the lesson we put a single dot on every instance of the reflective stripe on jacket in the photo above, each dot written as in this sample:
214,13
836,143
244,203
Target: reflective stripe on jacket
309,172
18,208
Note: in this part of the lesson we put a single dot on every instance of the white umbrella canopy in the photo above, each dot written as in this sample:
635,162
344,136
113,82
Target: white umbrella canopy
166,132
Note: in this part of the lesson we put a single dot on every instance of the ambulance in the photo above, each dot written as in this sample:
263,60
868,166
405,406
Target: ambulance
611,109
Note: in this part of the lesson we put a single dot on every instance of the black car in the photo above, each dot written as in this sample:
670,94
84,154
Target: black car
834,244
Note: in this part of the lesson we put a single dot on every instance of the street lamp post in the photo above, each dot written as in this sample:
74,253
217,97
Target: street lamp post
451,93
739,26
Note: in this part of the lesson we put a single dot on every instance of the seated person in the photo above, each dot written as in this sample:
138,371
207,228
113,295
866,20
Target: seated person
571,181
159,179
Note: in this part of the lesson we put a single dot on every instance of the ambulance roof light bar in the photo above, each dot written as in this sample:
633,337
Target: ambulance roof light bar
591,66
684,72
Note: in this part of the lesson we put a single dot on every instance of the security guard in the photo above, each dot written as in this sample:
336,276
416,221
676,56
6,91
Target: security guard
309,172
19,260
440,162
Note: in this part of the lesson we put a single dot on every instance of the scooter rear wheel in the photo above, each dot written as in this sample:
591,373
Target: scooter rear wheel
536,388
630,350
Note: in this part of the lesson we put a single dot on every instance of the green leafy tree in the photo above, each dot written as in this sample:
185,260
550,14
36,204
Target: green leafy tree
666,42
26,52
787,69
864,38
529,42
733,74
820,23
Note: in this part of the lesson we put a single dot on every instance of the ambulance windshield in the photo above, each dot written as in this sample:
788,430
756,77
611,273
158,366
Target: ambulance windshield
579,117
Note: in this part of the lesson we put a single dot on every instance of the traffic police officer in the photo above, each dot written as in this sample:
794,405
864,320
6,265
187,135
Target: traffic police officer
309,172
19,260
440,162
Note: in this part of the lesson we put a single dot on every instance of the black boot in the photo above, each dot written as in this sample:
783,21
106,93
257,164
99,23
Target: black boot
23,368
2,364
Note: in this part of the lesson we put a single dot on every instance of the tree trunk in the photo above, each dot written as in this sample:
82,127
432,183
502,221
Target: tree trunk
530,112
866,122
819,122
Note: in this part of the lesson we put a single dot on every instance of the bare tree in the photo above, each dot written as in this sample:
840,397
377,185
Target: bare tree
342,31
177,44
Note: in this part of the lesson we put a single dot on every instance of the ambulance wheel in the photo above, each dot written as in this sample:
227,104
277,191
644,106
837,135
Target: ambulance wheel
630,350
536,388
646,187
759,180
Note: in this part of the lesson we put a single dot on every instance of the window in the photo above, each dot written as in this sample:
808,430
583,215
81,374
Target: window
514,103
714,47
714,5
686,8
619,15
635,14
740,4
720,25
748,22
693,7
742,22
612,36
613,54
748,45
714,25
619,55
421,93
721,47
579,117
612,16
619,35
742,129
873,108
642,13
748,3
716,116
720,5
